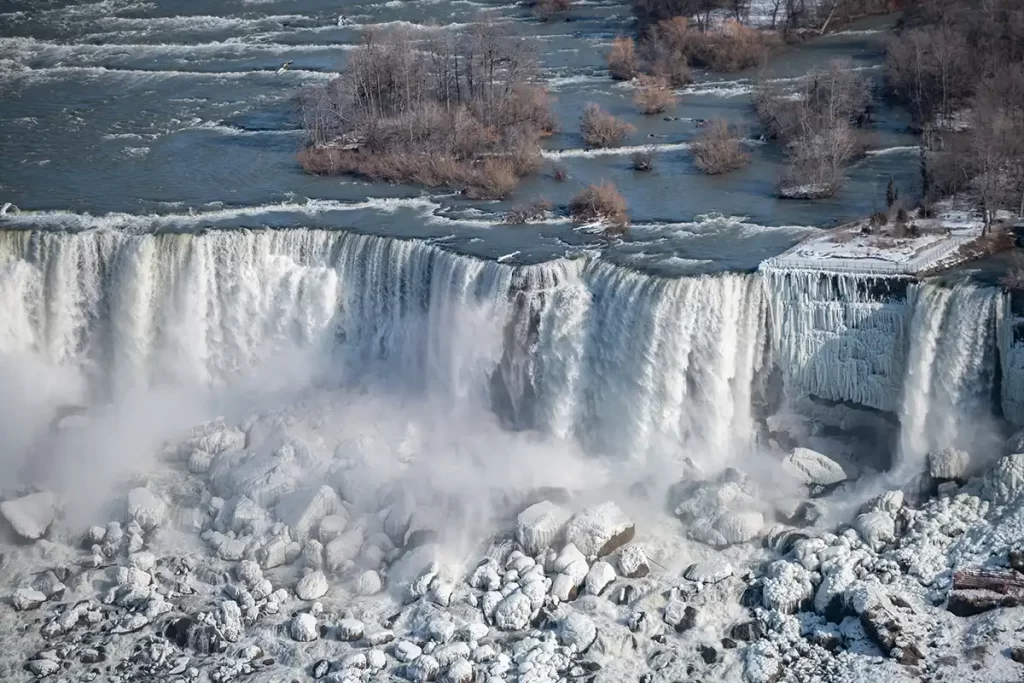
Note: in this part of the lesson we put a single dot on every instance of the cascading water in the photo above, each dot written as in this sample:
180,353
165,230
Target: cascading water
950,370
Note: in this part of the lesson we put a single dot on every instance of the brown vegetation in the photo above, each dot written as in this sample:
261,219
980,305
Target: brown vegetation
454,110
671,46
622,61
653,96
528,213
600,203
786,15
601,129
719,149
544,9
643,160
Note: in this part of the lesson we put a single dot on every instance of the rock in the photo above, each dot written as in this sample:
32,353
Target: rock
303,628
406,651
577,630
231,550
368,583
320,668
376,660
49,585
423,668
312,586
513,612
633,561
1006,480
31,515
748,631
762,663
709,571
132,577
1015,444
600,530
949,463
199,462
739,526
27,598
600,575
877,528
343,550
43,667
332,526
679,615
275,553
350,630
303,510
708,654
229,614
812,468
248,572
540,525
145,508
459,672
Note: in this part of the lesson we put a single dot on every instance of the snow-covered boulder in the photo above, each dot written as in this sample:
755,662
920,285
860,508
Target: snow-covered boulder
1006,480
633,561
350,630
540,525
303,628
711,570
513,612
30,515
146,508
368,583
424,668
812,468
876,528
600,530
312,586
600,575
578,631
949,463
27,598
303,510
739,526
332,526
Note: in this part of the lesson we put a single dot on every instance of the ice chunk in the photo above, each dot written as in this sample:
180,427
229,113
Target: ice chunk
368,583
812,468
303,510
30,515
600,529
540,525
949,463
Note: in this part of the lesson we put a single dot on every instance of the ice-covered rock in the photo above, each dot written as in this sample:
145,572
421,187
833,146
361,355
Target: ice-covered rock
407,651
1006,480
248,572
513,612
376,660
578,631
460,671
303,628
30,515
812,468
132,577
633,561
948,463
679,615
452,652
424,668
350,630
368,583
332,526
762,663
877,528
27,598
343,550
711,570
146,508
600,575
739,526
304,509
600,529
540,525
312,586
786,587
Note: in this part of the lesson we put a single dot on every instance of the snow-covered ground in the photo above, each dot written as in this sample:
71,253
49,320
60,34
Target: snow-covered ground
281,548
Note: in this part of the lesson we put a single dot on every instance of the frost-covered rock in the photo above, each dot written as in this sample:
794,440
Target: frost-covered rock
332,526
350,630
877,528
513,612
303,510
711,570
27,598
578,631
540,525
132,577
303,628
949,463
633,561
146,508
600,530
600,575
424,668
30,515
1006,480
312,586
248,572
679,615
812,468
739,526
343,550
762,663
407,651
786,587
368,583
460,671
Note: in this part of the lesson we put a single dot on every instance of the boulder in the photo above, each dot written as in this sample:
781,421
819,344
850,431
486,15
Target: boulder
577,630
369,583
27,598
350,630
513,612
332,526
633,562
540,525
303,510
812,468
312,586
600,575
709,571
1006,480
303,628
31,515
600,530
877,528
949,463
146,508
739,526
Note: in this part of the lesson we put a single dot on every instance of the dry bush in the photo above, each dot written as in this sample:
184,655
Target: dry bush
653,96
495,178
666,50
601,129
732,48
622,62
600,203
719,149
643,160
544,9
528,213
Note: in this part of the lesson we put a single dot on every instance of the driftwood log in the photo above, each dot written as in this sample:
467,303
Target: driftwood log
980,589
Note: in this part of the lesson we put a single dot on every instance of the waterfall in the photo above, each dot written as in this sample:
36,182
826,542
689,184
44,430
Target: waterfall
950,369
629,364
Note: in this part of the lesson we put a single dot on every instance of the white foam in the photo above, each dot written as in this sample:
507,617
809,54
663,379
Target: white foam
659,148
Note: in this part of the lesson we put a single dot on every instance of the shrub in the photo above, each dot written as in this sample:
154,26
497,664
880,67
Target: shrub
528,213
666,51
719,149
643,160
560,174
495,178
601,129
600,203
653,95
622,58
545,8
733,48
878,219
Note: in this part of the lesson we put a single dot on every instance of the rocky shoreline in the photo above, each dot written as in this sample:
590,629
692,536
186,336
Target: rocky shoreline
232,563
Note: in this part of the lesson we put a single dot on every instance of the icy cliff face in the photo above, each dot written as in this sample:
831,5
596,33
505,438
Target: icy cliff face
1011,354
951,369
628,363
841,337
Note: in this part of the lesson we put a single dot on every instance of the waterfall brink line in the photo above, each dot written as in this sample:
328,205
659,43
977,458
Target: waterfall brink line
950,370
